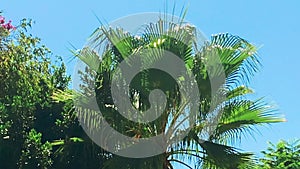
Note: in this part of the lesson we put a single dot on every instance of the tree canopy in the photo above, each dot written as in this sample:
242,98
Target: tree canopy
283,155
237,114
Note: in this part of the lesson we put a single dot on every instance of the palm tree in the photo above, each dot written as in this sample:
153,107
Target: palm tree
236,113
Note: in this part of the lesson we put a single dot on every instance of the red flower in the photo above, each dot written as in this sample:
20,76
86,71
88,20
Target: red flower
8,26
2,20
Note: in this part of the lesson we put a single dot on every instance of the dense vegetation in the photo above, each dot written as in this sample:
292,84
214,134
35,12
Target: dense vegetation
35,131
283,155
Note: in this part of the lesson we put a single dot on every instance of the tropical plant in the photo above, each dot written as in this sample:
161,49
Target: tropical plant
237,115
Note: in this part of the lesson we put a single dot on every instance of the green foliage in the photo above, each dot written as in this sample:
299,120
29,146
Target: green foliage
34,153
283,155
28,78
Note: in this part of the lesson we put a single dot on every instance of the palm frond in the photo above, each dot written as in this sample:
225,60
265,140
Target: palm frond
63,96
89,57
222,156
239,57
238,92
240,116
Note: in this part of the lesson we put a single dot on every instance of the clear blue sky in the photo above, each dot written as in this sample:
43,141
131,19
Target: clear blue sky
271,23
